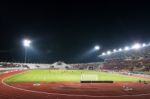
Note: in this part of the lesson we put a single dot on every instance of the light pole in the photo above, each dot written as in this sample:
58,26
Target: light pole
26,44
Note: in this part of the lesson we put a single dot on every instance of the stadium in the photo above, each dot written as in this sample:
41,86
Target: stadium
124,73
51,49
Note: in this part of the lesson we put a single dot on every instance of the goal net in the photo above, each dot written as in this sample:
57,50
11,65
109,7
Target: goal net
89,77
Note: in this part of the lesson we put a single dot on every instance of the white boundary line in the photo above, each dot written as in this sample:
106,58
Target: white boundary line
75,95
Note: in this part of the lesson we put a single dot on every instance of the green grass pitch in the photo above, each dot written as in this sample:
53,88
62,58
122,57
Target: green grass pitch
66,75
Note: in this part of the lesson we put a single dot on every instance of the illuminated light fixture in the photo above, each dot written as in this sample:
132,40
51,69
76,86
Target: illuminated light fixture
120,50
136,46
103,53
26,43
126,48
143,45
114,50
108,52
97,47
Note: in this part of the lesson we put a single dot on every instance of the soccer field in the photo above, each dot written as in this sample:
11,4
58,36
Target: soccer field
67,75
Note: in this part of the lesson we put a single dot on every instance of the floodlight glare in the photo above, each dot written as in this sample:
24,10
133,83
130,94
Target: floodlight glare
126,48
26,43
103,53
143,45
96,47
136,46
114,50
108,52
120,49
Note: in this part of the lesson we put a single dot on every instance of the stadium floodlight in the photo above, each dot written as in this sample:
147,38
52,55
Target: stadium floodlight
126,48
103,53
114,50
120,50
136,46
26,43
108,52
143,45
97,47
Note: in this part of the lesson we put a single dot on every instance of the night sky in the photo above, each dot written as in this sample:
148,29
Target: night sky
67,31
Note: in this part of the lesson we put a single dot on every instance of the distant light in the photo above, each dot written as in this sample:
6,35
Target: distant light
26,43
126,48
108,52
114,50
136,46
143,45
97,47
120,49
103,53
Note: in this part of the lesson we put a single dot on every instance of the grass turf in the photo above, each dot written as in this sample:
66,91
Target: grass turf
66,75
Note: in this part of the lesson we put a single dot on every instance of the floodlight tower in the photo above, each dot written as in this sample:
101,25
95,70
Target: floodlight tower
26,44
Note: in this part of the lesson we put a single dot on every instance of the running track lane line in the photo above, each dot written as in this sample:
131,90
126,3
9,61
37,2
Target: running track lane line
41,92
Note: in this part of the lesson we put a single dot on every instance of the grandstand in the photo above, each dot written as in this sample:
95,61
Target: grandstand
135,58
55,65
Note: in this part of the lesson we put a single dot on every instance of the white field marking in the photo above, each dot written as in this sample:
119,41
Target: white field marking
41,92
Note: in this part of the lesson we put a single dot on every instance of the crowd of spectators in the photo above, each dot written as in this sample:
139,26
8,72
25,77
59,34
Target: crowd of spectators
88,66
132,60
9,65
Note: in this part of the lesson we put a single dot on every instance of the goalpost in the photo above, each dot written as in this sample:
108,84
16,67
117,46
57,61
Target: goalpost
89,77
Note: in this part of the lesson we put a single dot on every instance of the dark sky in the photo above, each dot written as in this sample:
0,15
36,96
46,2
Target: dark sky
66,31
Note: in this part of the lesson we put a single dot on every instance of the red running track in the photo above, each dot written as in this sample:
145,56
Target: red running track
7,92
